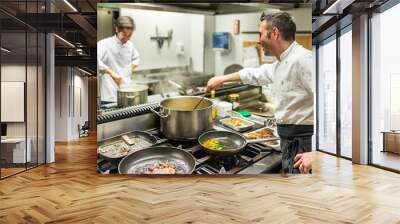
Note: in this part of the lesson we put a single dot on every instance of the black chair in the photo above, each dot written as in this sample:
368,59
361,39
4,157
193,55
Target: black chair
84,130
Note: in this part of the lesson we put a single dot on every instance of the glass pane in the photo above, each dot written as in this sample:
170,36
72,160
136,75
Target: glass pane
385,89
31,98
32,86
346,94
22,66
327,96
13,86
41,99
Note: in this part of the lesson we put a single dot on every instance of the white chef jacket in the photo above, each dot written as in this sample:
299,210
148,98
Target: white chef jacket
117,56
292,91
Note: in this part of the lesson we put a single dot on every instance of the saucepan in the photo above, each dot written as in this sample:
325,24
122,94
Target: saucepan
132,94
226,143
179,121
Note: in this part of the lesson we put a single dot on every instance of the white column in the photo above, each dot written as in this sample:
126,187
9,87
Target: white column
50,100
50,92
360,90
314,84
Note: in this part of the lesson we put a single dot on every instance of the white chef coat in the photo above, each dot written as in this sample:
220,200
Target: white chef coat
117,56
292,91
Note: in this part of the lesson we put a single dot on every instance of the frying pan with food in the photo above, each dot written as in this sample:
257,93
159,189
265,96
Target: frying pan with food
226,142
142,140
153,160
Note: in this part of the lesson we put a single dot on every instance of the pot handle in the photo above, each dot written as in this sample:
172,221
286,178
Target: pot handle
160,114
261,140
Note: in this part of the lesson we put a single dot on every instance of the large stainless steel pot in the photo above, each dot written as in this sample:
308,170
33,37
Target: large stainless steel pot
131,95
153,84
179,121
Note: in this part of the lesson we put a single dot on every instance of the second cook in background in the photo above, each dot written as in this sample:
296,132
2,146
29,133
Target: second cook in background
292,91
117,58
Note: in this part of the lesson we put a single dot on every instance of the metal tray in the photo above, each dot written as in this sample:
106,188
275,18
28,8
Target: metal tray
245,124
145,138
274,146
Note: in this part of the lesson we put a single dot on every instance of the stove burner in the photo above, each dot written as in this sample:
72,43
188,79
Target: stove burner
205,163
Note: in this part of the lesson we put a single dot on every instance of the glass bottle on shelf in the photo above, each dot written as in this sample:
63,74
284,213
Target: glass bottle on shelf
234,99
214,111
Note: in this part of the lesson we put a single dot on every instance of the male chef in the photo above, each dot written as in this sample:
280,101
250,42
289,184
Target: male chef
117,58
290,76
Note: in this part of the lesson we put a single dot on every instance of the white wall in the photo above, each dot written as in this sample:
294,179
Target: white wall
62,81
302,17
69,85
14,73
188,29
12,101
197,41
81,84
224,23
104,17
209,54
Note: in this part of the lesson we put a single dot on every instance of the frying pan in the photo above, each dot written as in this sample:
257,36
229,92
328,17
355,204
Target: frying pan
140,134
232,142
139,160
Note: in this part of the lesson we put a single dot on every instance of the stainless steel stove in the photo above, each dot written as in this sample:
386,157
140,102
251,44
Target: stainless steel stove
254,159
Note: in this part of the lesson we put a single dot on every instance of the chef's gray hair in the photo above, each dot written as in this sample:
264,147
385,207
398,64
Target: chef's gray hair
283,21
125,20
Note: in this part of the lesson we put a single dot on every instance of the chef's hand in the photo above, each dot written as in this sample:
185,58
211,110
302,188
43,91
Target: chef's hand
214,83
303,161
118,79
133,67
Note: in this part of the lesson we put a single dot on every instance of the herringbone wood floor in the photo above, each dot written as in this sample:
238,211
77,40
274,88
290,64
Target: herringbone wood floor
70,191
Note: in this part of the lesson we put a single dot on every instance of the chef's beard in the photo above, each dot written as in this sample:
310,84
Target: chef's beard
266,51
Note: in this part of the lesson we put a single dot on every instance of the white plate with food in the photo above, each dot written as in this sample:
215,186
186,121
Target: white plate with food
237,124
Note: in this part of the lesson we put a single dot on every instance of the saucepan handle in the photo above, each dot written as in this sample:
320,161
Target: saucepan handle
160,114
261,140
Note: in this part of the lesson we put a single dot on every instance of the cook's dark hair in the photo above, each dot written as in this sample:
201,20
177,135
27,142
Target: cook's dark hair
283,21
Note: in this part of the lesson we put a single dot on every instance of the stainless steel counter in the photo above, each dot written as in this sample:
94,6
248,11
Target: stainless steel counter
141,122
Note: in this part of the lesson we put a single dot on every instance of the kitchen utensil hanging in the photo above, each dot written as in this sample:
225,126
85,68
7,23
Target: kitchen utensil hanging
160,39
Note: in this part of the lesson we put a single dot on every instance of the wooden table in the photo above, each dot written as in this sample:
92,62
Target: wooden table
391,141
13,150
